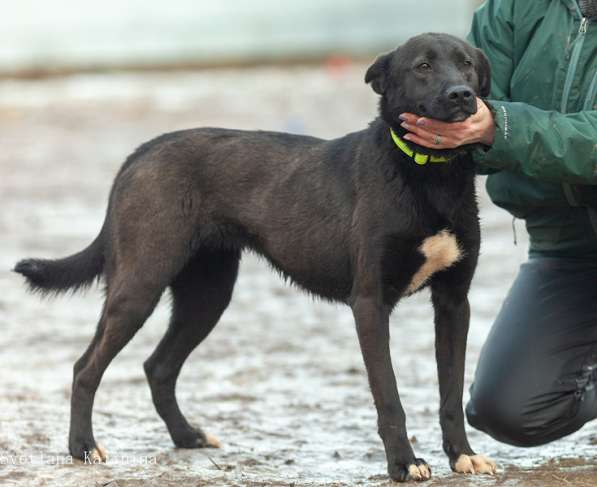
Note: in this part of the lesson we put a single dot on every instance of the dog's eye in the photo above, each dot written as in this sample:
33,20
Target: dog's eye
468,62
424,66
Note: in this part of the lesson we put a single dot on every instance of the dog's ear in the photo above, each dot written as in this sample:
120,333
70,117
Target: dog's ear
483,73
377,74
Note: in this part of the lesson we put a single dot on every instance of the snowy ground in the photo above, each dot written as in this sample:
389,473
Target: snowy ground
280,381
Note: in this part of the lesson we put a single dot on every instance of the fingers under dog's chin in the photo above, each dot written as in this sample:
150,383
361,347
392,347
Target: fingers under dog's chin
449,117
423,143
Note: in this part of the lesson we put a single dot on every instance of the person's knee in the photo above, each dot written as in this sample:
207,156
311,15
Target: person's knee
499,419
508,421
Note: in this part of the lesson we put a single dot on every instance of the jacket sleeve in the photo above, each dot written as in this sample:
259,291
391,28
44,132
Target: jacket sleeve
542,144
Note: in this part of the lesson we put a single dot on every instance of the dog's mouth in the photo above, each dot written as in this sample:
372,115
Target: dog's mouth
457,114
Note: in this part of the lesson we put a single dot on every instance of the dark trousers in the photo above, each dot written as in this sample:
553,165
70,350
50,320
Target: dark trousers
536,380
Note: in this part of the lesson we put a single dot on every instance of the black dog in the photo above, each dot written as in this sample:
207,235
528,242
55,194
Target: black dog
363,219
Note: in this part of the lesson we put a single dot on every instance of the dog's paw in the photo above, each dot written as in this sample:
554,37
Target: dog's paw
211,441
195,438
417,471
88,452
474,464
98,455
92,456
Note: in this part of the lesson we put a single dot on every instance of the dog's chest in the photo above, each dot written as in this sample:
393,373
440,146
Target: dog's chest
409,263
440,251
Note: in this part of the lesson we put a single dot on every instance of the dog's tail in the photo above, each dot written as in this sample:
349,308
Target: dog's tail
74,272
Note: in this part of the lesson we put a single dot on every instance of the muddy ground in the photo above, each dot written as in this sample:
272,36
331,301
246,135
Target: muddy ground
280,381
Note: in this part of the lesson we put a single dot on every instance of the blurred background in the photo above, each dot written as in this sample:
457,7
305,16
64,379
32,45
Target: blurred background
66,35
281,379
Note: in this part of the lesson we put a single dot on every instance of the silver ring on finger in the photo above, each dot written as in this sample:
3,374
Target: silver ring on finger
437,140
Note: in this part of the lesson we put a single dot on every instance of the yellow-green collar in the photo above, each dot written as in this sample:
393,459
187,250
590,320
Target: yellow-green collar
420,159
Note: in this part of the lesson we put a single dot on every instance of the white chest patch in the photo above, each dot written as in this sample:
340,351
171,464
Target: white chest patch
440,251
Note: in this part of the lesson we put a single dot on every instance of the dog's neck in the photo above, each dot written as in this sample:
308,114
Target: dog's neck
400,132
420,159
459,169
441,186
389,144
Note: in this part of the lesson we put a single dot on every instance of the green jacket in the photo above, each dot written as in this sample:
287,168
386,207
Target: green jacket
543,162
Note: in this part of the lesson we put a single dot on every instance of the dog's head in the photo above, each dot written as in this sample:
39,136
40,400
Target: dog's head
432,75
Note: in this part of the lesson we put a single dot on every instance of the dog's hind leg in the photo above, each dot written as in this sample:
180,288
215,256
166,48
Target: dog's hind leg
200,294
131,299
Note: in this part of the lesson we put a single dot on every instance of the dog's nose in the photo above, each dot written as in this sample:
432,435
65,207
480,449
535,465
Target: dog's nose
459,93
463,97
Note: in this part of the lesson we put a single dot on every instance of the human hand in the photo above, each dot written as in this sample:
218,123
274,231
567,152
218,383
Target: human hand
434,134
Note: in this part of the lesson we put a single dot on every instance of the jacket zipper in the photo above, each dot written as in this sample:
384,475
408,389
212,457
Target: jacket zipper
578,43
568,189
580,38
589,106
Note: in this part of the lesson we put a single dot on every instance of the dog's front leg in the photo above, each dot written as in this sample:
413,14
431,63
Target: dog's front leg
452,316
372,322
